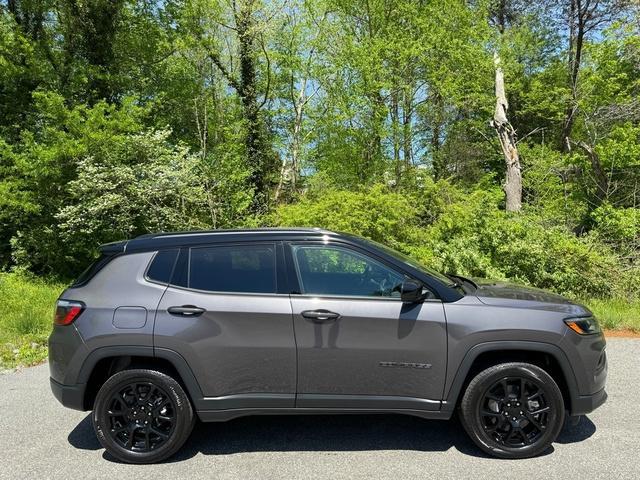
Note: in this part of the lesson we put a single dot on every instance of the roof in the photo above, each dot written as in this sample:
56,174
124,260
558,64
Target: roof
151,241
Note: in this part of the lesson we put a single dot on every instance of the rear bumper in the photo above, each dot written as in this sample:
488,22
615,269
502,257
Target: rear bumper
71,396
584,404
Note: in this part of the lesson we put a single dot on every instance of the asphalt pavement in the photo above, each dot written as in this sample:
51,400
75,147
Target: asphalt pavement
39,439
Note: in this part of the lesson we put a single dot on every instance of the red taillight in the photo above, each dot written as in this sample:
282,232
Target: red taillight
67,311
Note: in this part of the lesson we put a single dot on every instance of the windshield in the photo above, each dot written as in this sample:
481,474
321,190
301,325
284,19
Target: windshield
412,262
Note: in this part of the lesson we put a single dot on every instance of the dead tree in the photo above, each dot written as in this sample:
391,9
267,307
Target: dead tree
507,137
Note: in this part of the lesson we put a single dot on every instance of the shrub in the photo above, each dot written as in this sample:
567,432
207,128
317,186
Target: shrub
467,233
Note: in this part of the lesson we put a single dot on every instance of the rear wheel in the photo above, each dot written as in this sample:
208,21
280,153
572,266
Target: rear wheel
142,416
513,410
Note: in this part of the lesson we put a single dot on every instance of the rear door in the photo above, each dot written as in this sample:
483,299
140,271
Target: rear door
359,345
224,315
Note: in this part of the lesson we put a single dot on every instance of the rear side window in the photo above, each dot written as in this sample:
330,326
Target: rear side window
234,268
161,266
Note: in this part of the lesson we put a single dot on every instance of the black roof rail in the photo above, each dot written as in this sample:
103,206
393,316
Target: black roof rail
151,241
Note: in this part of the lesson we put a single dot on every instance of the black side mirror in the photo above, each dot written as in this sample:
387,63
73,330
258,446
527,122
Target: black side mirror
411,291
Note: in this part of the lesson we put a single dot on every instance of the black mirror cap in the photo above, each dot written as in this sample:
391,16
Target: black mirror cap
411,291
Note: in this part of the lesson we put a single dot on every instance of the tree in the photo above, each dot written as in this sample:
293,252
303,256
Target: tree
249,36
583,17
507,137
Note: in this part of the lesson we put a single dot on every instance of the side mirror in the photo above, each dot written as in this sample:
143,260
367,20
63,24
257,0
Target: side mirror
411,291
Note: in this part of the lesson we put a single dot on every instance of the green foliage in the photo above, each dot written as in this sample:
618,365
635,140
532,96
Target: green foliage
467,233
616,314
118,118
620,228
26,320
375,213
141,184
87,176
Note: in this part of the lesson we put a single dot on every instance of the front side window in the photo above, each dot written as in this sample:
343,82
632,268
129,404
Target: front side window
331,270
234,268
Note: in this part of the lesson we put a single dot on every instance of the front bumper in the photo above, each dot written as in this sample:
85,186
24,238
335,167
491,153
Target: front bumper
71,396
584,404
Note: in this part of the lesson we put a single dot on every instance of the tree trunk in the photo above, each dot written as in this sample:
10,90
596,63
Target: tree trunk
407,151
507,137
395,132
577,19
254,141
292,168
599,175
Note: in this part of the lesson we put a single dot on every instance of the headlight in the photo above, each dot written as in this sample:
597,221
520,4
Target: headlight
583,325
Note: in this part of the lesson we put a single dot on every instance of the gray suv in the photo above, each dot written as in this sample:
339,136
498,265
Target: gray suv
167,328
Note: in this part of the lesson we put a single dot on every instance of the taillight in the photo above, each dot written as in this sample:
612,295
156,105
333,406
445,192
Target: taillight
67,311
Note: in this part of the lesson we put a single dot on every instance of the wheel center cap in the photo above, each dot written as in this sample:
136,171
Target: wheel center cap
137,414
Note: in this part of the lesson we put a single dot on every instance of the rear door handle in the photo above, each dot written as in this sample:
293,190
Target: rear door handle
320,315
186,310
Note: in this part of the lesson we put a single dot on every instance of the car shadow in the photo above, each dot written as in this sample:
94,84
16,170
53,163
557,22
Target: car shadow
577,433
335,433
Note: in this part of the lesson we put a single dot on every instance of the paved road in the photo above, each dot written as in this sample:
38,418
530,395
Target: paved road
39,439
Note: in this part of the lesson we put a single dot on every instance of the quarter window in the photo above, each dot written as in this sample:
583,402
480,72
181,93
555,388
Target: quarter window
330,270
235,268
162,266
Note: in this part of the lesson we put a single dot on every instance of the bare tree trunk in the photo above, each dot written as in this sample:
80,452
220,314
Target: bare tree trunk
293,167
599,175
507,137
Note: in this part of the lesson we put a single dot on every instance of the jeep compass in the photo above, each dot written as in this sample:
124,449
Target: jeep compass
168,328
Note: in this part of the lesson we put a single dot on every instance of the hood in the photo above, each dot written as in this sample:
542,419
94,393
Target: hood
498,293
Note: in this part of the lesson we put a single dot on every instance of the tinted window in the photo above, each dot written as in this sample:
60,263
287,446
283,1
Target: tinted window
162,266
327,270
239,268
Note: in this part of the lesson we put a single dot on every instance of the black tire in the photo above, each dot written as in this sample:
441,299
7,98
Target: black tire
142,416
513,410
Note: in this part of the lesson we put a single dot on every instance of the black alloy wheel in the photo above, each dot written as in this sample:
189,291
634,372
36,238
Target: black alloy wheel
513,410
142,416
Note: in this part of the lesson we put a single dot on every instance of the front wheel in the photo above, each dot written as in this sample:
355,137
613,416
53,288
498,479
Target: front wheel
142,416
513,410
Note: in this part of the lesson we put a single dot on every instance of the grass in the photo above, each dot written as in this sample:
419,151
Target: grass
616,314
28,302
25,318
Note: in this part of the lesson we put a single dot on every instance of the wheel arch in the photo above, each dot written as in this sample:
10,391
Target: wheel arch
105,361
545,355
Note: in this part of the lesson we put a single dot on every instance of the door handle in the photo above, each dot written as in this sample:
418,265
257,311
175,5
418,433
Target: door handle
186,310
320,315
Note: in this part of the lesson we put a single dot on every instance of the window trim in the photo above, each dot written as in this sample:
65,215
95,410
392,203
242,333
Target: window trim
188,250
298,293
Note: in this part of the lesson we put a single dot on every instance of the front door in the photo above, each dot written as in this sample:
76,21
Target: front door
358,344
223,314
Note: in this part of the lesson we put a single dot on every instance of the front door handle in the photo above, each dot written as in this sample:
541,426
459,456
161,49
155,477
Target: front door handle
320,315
186,310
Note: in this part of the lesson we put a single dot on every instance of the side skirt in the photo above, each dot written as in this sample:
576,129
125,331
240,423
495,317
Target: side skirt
225,415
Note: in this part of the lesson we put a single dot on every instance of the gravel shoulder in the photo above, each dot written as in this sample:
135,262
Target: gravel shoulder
40,439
